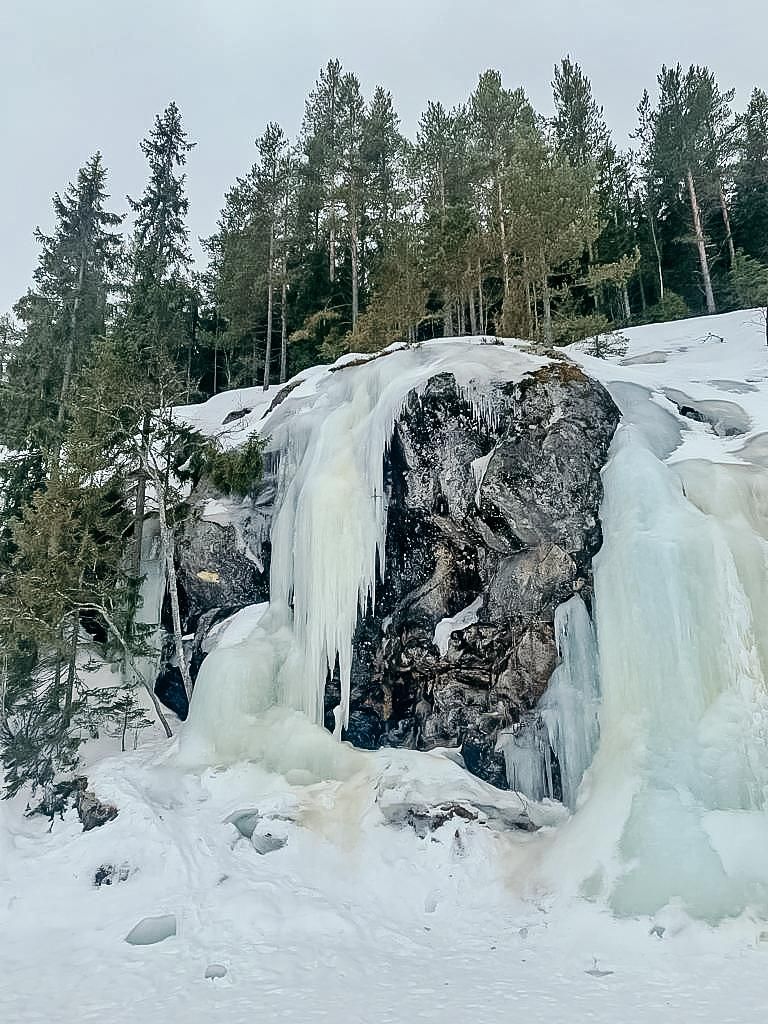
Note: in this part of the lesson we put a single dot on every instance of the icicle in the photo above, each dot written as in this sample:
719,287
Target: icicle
569,708
565,722
528,758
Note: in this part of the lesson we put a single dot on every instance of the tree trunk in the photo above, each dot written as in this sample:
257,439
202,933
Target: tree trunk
480,297
332,248
216,354
69,363
660,271
625,302
71,669
169,552
355,256
190,348
472,314
270,304
726,222
141,498
284,323
447,317
700,242
502,234
546,302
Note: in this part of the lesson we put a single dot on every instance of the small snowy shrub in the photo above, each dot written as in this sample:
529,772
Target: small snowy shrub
237,471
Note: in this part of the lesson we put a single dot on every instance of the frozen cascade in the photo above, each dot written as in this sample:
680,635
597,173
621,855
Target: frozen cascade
570,706
680,781
328,537
566,721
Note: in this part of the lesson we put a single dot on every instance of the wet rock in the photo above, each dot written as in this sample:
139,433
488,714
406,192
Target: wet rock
92,812
169,689
223,561
108,874
504,506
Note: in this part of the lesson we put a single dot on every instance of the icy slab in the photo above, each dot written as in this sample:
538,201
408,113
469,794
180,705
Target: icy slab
725,418
570,706
151,930
445,628
244,821
647,358
755,450
680,605
265,842
233,630
213,972
737,387
660,428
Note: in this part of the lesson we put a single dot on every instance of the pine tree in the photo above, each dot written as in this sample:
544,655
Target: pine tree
496,117
684,146
154,323
442,160
62,315
751,178
554,220
579,124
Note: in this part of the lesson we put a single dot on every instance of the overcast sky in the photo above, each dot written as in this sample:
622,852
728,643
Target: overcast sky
82,75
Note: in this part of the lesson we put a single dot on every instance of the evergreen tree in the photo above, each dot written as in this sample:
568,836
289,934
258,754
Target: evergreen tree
554,218
62,314
155,321
751,178
497,118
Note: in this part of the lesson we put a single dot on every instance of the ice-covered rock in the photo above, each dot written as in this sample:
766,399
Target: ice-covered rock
488,502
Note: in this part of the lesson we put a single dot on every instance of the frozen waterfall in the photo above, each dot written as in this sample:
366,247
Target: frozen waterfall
681,599
566,721
328,538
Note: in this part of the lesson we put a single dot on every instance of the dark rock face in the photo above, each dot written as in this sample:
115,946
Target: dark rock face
501,506
504,507
224,566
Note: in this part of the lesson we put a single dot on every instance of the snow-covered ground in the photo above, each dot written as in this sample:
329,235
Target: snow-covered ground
353,916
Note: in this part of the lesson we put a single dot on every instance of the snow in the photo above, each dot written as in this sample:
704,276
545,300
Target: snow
445,628
607,914
351,919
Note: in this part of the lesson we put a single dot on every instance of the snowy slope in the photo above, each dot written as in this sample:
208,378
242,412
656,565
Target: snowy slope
356,919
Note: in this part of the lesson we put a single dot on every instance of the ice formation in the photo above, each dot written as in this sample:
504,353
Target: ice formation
445,628
672,809
675,809
684,718
566,721
327,537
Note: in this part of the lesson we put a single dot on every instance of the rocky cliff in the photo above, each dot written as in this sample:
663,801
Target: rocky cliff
492,523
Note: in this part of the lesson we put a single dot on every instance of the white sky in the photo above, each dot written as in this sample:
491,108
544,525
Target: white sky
81,75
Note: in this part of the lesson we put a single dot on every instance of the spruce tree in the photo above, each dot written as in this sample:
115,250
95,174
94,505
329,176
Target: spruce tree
751,178
154,323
